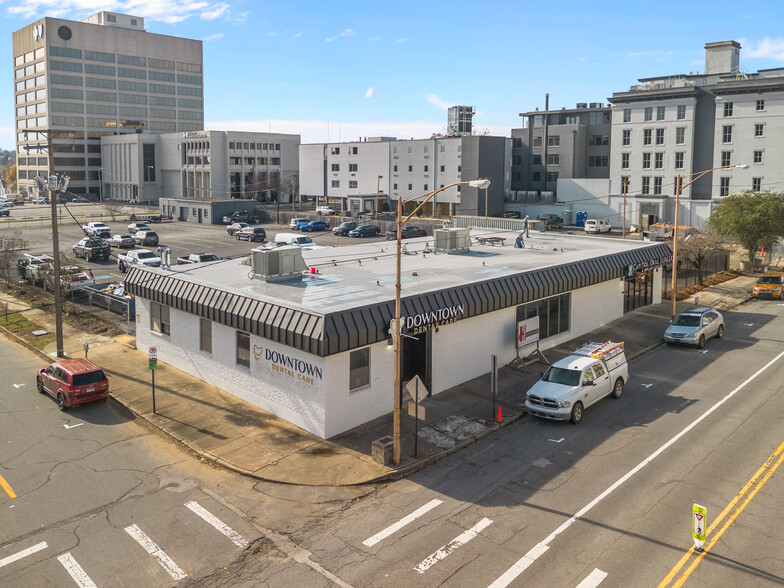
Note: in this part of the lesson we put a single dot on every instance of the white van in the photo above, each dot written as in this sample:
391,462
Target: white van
324,210
594,225
293,239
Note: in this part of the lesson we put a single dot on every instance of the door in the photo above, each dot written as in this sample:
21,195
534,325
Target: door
601,382
416,358
200,211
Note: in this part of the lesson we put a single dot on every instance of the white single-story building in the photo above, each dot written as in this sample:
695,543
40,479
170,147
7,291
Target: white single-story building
314,346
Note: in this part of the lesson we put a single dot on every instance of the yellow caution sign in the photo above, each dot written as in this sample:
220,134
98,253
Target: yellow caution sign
698,516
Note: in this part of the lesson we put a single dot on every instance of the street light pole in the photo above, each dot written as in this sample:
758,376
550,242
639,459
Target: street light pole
397,329
679,186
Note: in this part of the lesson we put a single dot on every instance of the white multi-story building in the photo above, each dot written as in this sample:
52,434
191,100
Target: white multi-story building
76,82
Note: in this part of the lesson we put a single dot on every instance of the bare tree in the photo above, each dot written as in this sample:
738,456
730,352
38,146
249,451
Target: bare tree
113,208
11,246
696,248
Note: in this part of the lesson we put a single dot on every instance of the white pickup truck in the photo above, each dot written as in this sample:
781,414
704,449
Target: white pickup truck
98,229
576,382
137,257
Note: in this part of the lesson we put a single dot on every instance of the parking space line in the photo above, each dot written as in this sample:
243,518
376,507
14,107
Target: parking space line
22,554
152,548
75,570
7,488
458,541
402,523
210,518
593,579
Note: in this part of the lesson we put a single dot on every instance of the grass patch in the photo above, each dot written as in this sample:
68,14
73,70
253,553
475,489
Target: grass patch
21,327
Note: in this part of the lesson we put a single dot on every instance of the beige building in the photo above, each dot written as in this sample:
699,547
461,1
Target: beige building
78,81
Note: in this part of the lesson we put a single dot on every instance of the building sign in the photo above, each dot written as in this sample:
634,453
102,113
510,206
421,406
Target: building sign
282,363
38,32
426,321
194,135
648,264
527,331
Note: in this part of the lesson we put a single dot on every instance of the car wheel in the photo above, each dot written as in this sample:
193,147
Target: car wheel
577,413
618,388
701,342
720,334
122,268
40,385
61,402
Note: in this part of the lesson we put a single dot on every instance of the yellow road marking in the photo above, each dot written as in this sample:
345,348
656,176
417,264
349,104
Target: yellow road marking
718,520
7,488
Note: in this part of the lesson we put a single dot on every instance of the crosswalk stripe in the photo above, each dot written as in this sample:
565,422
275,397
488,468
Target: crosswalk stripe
77,573
24,553
152,548
593,579
217,523
402,523
461,539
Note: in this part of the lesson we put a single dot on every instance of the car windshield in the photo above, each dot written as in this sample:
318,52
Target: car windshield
687,320
304,240
209,257
146,255
562,376
150,234
346,225
770,280
88,378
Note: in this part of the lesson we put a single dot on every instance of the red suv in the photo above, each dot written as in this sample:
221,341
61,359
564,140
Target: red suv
73,382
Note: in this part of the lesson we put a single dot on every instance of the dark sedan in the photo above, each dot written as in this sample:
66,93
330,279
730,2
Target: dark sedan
365,231
408,232
344,228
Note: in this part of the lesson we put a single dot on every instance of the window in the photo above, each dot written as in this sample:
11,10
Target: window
410,187
599,118
205,335
681,111
395,168
759,130
336,183
756,184
148,161
726,134
760,105
679,160
336,151
660,112
646,185
552,177
599,140
426,189
728,109
410,149
410,168
394,186
359,369
660,136
353,150
553,314
352,167
517,143
646,160
680,135
335,167
538,141
626,137
554,141
646,136
726,157
443,167
648,113
243,349
657,185
627,115
725,187
536,177
625,184
597,161
352,183
537,160
159,318
758,157
658,160
624,161
553,159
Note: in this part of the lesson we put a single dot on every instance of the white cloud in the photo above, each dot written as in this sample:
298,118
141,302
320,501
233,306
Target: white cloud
168,11
345,33
369,93
767,48
298,35
214,37
436,101
214,11
403,40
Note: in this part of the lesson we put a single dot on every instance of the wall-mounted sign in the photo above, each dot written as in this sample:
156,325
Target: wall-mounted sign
426,321
38,32
287,365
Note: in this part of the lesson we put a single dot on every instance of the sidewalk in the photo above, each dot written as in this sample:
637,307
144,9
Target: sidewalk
240,437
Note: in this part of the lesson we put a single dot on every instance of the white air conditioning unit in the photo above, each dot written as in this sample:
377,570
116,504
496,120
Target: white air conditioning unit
277,264
452,240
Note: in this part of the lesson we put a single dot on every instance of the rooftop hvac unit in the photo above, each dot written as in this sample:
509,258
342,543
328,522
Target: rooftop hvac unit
452,240
281,263
582,105
532,196
548,197
596,105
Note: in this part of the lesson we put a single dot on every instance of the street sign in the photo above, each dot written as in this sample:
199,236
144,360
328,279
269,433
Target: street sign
698,516
153,364
416,410
153,353
416,389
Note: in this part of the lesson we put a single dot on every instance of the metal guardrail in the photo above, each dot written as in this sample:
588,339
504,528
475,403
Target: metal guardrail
44,221
502,224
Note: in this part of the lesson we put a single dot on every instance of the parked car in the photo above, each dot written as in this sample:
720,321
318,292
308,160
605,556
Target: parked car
18,202
282,239
344,228
324,210
314,226
295,223
121,241
80,199
137,257
251,234
695,326
551,221
512,214
597,225
408,232
146,238
73,382
40,201
576,382
98,229
5,212
6,203
241,216
364,231
133,227
33,267
769,284
92,248
234,227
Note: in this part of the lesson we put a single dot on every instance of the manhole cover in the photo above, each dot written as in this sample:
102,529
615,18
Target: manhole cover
39,332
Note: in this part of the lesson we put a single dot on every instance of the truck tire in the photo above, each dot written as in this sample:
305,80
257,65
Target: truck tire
577,413
617,390
122,268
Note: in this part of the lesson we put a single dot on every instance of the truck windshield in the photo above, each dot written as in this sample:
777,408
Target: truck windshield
304,240
562,376
145,254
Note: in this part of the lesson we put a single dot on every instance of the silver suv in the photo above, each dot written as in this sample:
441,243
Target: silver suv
695,326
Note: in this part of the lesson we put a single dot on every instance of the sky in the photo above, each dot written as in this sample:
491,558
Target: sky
344,69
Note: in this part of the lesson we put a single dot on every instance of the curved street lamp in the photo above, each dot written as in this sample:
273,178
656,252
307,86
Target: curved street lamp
396,328
678,189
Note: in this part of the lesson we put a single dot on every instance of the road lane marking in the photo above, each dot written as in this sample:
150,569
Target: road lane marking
520,566
77,573
72,426
24,553
402,523
235,537
458,541
152,548
646,386
668,578
7,488
17,386
557,440
595,578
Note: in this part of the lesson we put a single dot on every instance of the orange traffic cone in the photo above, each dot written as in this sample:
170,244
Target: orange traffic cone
499,418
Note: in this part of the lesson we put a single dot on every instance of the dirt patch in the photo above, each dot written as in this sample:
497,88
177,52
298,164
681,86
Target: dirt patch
17,324
693,289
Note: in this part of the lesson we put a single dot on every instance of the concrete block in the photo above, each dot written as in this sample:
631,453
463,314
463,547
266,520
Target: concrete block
382,450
